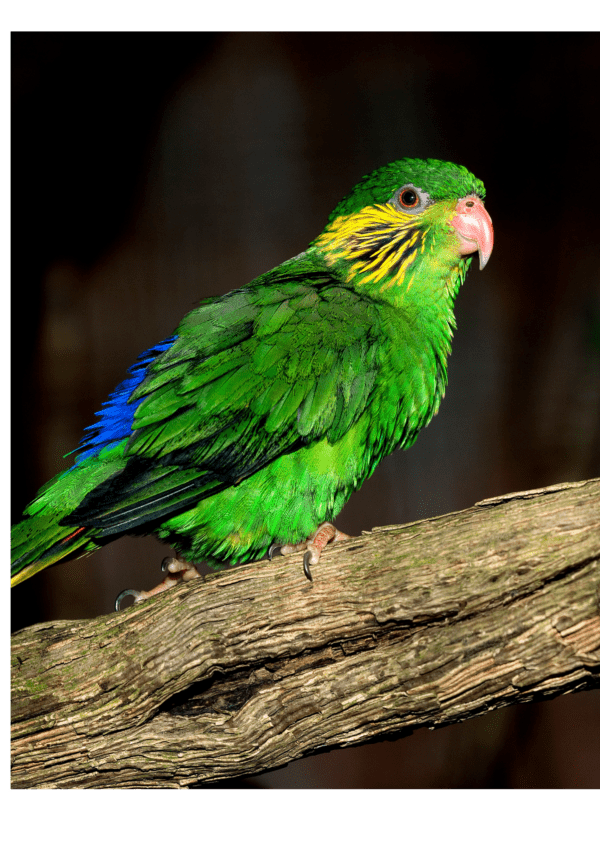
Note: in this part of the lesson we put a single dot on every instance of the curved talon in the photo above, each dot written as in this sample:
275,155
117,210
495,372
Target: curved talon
313,546
135,594
306,562
164,566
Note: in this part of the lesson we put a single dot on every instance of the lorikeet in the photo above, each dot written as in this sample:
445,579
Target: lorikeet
250,427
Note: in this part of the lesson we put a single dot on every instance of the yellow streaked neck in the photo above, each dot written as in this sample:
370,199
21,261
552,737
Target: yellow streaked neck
375,245
390,254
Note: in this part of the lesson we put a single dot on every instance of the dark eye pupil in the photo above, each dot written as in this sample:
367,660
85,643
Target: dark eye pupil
409,198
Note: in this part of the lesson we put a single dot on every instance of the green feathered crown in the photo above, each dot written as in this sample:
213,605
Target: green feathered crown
441,180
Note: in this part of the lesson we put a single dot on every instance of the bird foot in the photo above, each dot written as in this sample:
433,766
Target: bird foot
177,570
313,546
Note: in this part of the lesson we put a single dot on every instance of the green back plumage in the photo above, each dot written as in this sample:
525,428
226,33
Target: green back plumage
273,403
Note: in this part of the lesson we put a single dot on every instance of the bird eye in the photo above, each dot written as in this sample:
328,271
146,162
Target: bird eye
409,198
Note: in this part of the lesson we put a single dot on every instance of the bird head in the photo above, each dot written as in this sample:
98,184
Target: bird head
413,215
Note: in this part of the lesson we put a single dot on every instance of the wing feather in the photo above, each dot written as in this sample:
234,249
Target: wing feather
247,378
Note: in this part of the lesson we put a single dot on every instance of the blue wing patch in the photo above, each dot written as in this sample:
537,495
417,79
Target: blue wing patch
115,419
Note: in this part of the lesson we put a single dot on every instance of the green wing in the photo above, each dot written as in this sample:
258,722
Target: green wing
250,376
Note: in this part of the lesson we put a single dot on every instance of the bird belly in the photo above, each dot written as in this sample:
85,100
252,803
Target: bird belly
282,503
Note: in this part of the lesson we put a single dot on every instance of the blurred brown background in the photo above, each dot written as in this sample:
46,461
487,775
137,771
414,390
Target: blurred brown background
153,170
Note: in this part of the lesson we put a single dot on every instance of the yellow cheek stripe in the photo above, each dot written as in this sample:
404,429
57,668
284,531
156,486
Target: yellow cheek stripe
378,242
401,272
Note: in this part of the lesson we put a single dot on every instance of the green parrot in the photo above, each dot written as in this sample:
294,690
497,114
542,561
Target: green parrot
247,430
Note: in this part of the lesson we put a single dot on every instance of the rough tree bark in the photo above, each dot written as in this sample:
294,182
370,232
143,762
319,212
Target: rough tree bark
407,626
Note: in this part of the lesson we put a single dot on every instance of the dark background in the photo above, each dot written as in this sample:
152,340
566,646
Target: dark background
153,170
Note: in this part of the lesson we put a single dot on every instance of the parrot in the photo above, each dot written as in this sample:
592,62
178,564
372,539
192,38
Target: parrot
243,434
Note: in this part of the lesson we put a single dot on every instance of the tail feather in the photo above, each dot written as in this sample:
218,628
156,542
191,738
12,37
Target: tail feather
39,541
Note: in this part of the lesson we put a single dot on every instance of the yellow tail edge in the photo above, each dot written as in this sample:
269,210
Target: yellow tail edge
62,553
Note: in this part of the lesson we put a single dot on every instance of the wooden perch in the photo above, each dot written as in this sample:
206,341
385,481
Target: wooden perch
407,626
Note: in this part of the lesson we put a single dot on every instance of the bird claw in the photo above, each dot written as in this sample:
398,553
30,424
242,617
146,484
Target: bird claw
306,564
274,549
177,571
313,546
170,564
136,595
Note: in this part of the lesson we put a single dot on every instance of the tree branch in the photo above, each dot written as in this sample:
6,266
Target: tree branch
407,626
